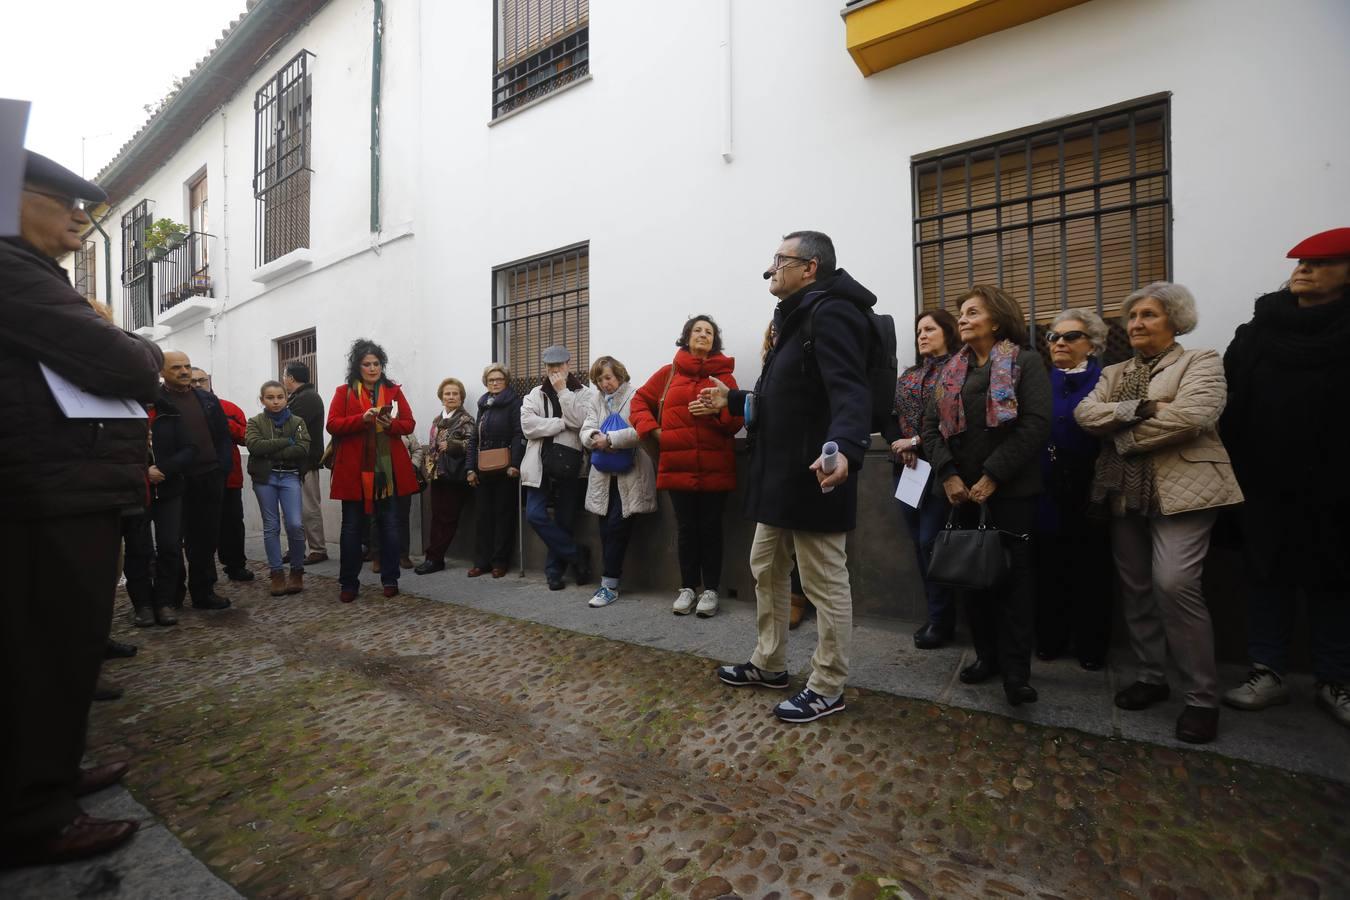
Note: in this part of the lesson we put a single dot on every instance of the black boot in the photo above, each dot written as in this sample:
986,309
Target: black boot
583,565
119,650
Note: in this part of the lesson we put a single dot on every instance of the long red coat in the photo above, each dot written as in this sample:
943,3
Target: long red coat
698,453
238,423
349,431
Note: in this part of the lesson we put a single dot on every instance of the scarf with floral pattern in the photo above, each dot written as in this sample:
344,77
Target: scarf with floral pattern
1001,403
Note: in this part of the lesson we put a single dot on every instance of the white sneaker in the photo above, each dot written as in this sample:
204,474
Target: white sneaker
684,602
1262,688
1335,699
707,604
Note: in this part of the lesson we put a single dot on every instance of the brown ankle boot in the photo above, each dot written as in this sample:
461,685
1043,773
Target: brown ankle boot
375,564
278,583
295,582
798,611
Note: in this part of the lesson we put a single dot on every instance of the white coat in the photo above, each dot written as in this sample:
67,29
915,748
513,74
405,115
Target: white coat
637,486
538,422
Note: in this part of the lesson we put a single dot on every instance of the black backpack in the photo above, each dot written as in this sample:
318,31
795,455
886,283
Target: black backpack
883,367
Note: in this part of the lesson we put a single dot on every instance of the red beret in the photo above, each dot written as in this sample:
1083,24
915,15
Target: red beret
1325,245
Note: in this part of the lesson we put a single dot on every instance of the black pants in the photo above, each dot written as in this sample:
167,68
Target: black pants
136,559
698,518
498,508
230,549
1073,600
615,530
1002,620
202,498
166,514
52,636
447,499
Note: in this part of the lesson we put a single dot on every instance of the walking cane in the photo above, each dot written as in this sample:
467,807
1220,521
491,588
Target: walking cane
520,522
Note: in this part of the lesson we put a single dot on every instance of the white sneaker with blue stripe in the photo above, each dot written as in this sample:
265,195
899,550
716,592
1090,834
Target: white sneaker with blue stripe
751,675
807,706
603,597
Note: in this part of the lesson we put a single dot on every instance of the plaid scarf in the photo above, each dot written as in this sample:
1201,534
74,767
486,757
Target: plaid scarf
1124,484
1001,402
377,466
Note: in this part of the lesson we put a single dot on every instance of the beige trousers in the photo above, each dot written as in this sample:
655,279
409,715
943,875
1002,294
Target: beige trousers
311,512
822,562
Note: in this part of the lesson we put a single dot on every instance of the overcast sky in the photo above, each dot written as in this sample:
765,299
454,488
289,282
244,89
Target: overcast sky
89,66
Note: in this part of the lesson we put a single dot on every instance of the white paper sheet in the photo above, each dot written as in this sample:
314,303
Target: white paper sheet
77,403
13,124
912,483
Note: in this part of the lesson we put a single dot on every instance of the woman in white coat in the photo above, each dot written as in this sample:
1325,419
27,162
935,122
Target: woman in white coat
622,481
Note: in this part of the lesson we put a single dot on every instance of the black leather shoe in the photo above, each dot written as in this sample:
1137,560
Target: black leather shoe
932,636
119,650
106,690
213,601
1198,724
1142,695
978,671
427,566
583,565
240,574
1092,665
1019,693
556,584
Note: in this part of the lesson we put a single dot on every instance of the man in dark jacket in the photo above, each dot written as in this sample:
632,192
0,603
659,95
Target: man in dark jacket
204,427
64,485
805,397
230,545
306,403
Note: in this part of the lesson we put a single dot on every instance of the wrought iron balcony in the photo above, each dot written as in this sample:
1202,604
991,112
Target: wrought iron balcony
183,271
518,82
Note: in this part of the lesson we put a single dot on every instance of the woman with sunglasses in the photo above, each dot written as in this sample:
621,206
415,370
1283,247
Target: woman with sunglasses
1073,599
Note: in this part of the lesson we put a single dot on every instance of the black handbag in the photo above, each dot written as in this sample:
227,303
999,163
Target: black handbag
560,460
972,559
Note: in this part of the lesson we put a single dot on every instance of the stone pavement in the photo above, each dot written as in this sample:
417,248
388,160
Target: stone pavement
406,748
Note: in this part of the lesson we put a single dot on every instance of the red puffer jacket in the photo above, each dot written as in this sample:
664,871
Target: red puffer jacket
238,422
698,453
348,429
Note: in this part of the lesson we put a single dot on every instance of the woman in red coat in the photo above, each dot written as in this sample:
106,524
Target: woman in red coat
371,468
698,455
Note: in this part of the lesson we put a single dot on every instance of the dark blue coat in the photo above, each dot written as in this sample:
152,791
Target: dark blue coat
1068,461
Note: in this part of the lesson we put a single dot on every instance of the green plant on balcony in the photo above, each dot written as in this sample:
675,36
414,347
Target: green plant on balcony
163,236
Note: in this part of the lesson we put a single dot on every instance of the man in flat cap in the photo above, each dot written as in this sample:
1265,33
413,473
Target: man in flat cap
1285,369
551,417
64,484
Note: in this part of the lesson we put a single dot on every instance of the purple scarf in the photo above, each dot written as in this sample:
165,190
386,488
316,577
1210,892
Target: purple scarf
1001,403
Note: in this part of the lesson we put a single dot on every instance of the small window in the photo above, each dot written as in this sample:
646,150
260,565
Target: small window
281,172
540,302
541,45
86,271
137,278
299,347
1071,214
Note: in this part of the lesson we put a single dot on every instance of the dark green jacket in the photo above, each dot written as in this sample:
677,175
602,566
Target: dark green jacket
267,445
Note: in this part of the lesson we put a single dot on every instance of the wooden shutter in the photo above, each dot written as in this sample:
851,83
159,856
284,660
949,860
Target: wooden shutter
544,301
527,26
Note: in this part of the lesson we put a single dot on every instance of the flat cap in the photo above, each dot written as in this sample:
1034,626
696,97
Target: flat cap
1331,244
556,354
39,170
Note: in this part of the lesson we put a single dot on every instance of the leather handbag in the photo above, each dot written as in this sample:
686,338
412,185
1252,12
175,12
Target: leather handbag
498,460
971,559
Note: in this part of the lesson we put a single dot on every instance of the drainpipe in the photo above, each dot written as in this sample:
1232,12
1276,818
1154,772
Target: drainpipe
725,47
376,58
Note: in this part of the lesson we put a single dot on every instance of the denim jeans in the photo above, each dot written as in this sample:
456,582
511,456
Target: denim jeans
614,533
556,531
282,489
355,523
1271,608
924,524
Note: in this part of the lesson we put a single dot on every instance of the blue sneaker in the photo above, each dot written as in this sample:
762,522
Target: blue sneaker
749,674
807,706
603,597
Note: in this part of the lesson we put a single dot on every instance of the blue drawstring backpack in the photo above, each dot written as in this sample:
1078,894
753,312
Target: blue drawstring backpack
612,462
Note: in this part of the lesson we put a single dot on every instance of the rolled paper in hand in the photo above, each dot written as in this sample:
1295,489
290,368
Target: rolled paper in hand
829,459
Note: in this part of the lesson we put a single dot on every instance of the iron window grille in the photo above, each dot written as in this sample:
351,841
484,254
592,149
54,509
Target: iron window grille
137,273
281,154
540,45
537,303
1075,213
299,347
86,271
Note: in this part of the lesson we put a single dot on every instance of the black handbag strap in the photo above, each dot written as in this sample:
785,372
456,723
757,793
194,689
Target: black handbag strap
984,518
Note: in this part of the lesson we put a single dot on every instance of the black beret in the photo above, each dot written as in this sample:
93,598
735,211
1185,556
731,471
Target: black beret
41,171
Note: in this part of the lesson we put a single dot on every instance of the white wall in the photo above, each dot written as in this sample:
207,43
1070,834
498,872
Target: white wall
631,162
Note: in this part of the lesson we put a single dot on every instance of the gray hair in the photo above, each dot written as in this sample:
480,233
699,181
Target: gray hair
1092,324
1177,301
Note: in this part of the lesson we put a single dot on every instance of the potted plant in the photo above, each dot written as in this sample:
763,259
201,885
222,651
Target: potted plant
163,236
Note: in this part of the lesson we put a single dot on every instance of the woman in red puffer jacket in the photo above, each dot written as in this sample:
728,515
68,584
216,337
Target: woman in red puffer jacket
698,455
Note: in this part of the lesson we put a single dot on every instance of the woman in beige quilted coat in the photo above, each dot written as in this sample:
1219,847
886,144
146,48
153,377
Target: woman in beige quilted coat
1162,475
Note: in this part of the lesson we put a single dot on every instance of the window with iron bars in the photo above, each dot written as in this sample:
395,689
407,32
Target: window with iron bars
137,273
540,45
1075,213
537,303
299,347
281,154
86,271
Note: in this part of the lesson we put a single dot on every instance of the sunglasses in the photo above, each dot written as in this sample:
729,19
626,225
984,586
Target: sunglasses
1054,336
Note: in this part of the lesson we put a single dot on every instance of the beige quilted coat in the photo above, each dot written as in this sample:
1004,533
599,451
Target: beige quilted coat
1190,465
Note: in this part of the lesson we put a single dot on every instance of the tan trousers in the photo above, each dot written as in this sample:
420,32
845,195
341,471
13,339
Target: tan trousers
822,562
1160,560
311,511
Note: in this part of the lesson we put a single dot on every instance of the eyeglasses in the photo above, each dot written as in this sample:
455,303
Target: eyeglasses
68,202
201,380
779,261
496,381
1068,336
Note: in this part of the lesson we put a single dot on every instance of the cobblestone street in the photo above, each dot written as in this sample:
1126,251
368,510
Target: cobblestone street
410,748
